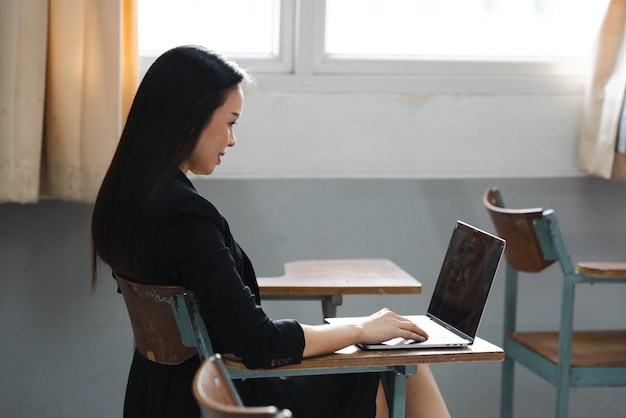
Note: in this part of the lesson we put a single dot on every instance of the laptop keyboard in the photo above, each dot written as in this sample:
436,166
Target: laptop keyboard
437,333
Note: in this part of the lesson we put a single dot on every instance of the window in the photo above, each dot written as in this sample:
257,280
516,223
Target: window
391,45
249,30
475,29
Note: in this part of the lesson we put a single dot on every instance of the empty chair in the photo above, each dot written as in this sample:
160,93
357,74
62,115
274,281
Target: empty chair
218,398
564,357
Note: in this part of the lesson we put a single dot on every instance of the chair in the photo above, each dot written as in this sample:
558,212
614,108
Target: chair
155,329
218,397
564,357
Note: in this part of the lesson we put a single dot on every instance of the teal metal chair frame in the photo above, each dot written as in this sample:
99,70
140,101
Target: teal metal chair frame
194,334
552,249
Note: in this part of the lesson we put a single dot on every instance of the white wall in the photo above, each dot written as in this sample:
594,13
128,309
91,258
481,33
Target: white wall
325,135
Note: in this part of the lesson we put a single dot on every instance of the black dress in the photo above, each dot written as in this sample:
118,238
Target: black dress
189,243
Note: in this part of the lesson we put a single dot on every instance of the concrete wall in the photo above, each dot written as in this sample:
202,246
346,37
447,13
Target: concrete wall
66,350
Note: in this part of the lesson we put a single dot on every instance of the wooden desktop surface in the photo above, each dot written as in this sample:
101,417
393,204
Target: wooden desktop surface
353,357
340,277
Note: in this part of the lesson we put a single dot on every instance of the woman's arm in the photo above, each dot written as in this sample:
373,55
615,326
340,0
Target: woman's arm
381,326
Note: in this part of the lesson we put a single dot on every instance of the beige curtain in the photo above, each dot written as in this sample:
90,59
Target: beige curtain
604,99
67,77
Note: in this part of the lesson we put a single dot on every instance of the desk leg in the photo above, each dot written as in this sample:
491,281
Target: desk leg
395,391
394,383
329,305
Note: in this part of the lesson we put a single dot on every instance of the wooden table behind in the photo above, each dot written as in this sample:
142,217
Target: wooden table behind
330,280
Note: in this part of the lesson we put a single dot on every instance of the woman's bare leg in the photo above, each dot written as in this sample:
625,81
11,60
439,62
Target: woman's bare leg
423,398
382,409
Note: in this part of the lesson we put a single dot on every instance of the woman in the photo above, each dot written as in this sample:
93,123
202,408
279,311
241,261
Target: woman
150,225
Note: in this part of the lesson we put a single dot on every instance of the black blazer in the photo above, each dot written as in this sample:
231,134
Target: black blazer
189,243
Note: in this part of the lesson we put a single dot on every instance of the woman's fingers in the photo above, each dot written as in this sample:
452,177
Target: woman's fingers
405,323
413,327
386,324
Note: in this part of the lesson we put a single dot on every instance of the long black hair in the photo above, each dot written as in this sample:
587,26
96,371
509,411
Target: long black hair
175,101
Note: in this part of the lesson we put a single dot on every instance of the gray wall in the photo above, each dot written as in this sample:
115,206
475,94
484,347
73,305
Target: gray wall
66,350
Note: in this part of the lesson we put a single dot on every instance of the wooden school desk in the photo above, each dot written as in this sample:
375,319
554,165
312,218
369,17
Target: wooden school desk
329,280
396,366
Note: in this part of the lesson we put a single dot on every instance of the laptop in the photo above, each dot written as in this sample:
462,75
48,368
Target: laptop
460,295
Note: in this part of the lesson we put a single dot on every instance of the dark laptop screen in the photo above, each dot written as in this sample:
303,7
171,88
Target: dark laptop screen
468,269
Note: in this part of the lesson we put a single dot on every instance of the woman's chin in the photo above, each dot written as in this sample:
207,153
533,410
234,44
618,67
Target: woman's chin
203,172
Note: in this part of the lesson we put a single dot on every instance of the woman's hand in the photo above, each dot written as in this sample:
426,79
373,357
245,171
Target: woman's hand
381,326
385,325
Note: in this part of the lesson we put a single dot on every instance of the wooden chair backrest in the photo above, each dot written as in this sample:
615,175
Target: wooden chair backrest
154,325
218,398
523,251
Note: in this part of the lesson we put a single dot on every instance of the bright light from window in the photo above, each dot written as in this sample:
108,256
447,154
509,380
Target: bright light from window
463,28
234,27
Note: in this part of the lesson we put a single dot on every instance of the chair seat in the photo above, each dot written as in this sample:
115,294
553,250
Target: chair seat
589,348
607,270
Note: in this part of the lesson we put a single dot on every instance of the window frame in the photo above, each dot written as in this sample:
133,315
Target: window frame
302,29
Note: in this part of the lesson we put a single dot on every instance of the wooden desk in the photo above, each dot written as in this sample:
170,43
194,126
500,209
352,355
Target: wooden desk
329,280
396,366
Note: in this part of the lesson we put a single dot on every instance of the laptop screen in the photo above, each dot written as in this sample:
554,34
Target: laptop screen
468,269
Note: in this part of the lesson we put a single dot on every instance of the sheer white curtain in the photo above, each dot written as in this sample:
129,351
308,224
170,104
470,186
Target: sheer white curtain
67,77
599,153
